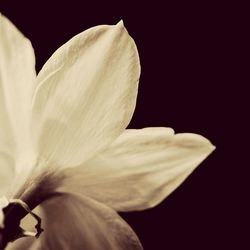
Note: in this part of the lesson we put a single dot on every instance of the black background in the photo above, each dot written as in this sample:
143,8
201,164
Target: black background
188,82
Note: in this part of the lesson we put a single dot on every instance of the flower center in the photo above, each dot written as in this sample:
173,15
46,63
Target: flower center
13,213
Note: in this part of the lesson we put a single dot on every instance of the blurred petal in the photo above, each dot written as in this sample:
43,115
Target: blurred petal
27,243
140,169
17,78
76,222
86,95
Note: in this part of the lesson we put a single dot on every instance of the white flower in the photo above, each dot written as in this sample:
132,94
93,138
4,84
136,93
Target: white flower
64,146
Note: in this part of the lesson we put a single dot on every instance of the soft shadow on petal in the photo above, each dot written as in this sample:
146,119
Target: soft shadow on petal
86,95
75,222
140,169
17,79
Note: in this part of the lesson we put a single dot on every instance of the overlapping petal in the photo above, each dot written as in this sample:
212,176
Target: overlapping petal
77,222
140,169
17,79
86,95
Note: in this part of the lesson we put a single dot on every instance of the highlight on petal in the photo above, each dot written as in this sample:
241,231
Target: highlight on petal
17,78
86,95
140,169
77,222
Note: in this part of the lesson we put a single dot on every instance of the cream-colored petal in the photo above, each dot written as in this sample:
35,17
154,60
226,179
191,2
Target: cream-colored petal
140,169
76,222
7,171
86,95
3,203
17,78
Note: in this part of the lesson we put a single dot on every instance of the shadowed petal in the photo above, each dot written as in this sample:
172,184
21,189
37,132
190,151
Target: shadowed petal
140,169
24,244
17,79
86,95
27,243
75,222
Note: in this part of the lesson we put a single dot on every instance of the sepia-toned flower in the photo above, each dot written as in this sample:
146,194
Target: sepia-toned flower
66,156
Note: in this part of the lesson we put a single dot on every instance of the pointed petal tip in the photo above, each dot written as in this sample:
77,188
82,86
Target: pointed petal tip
206,142
212,147
120,24
195,140
209,146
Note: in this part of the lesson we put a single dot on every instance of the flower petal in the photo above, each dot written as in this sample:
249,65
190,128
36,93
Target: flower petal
77,222
3,203
140,169
28,243
7,171
86,95
17,78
